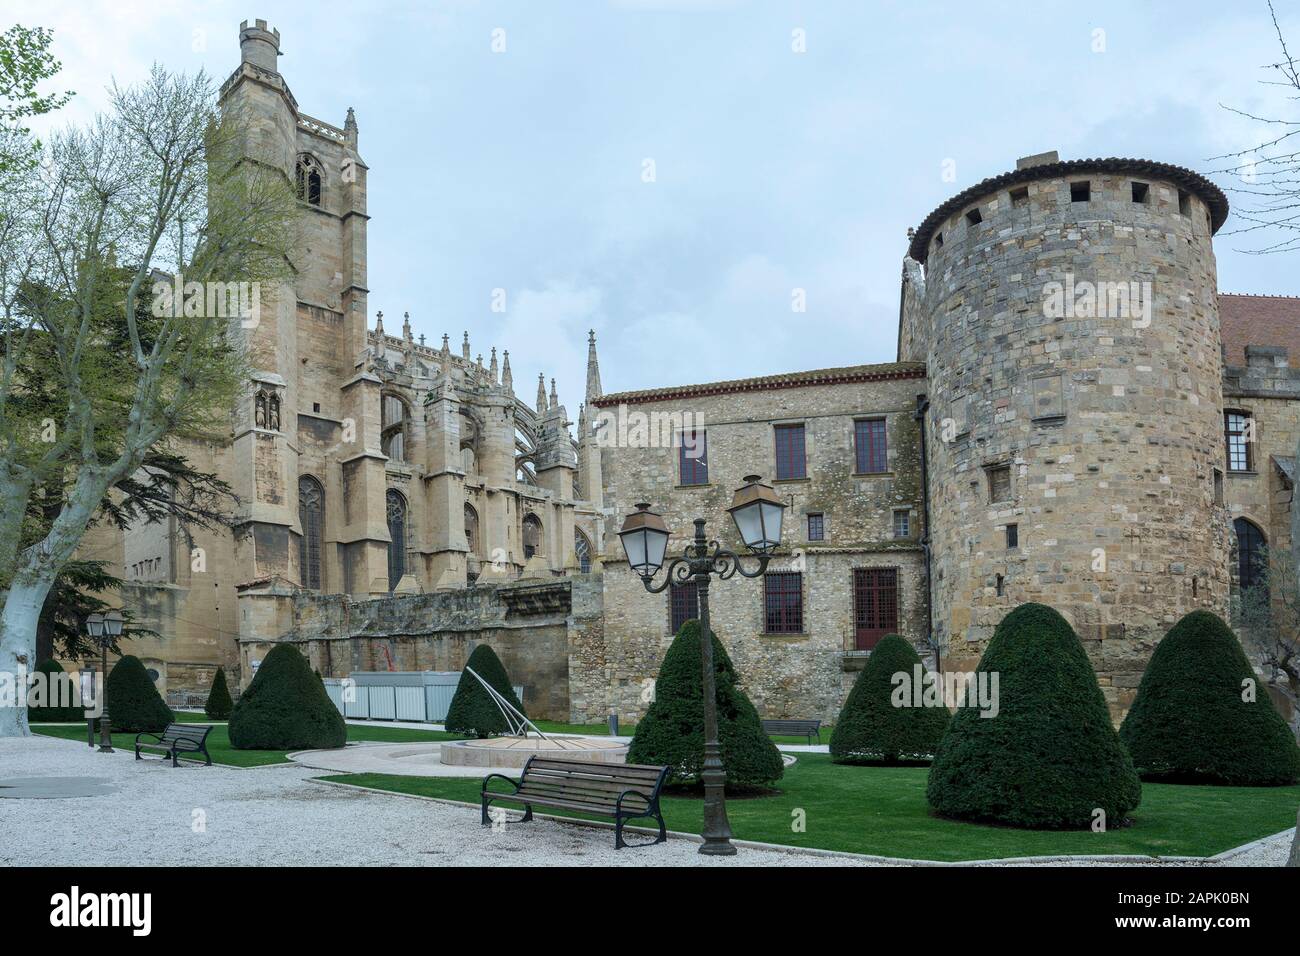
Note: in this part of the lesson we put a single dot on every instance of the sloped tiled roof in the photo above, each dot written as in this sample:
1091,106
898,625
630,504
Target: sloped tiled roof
821,376
1270,320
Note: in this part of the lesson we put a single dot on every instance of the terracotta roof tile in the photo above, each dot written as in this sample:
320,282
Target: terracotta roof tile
821,376
1272,320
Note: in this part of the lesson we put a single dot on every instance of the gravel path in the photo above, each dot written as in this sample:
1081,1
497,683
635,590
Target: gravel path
212,816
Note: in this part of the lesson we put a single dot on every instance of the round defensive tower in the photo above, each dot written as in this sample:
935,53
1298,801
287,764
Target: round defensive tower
1067,313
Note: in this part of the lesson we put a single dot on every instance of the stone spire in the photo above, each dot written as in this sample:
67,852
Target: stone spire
379,323
446,347
541,392
406,326
464,346
350,128
492,369
593,368
480,360
507,380
582,419
555,399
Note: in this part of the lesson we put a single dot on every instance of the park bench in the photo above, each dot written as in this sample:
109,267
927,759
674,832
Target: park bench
794,728
178,739
623,791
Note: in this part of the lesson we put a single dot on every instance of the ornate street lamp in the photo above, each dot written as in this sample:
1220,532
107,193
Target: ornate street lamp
104,629
757,511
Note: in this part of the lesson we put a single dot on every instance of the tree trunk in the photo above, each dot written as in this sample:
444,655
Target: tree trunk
22,608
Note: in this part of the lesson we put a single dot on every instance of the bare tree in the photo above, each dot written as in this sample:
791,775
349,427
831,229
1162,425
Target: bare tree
1268,172
153,198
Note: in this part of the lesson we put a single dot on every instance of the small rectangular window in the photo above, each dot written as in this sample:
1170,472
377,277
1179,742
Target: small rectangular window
1184,202
1001,583
870,446
683,604
1048,401
816,527
693,457
973,217
1141,193
1020,196
783,602
1000,483
1218,487
1013,536
1080,192
315,406
790,461
902,523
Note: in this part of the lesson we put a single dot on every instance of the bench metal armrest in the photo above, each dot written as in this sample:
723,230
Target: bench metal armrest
651,802
500,776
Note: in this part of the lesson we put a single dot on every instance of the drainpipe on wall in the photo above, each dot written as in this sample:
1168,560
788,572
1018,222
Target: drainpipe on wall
922,407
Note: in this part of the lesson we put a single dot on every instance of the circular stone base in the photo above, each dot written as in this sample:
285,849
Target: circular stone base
54,788
515,751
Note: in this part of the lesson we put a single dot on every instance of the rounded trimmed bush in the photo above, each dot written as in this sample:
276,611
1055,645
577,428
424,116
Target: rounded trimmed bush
472,710
133,702
672,731
286,708
871,727
219,705
1189,722
59,686
1050,758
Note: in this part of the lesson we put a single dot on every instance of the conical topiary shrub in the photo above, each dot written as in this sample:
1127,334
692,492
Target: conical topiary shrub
219,704
134,704
54,698
1193,719
286,708
473,711
672,731
1050,757
871,727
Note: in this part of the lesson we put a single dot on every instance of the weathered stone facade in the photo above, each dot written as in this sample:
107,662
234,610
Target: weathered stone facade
1095,429
398,502
808,672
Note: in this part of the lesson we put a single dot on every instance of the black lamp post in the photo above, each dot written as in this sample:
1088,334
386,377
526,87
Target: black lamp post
104,628
757,512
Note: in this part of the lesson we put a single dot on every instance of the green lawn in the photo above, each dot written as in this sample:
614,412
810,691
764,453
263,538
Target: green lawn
223,753
883,811
627,730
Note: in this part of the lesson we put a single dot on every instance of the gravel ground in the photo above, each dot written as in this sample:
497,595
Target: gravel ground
275,817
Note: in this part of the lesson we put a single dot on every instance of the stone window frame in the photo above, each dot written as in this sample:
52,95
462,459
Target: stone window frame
311,541
683,604
791,615
821,525
778,429
698,469
1244,434
906,514
1012,532
865,458
531,520
397,509
582,551
989,471
400,427
307,166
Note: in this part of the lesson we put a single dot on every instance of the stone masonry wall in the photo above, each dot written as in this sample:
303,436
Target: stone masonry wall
786,675
1111,426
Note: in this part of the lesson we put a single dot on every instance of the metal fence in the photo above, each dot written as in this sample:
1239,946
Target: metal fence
397,695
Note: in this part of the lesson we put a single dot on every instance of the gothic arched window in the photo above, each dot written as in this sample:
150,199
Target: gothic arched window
532,536
396,531
309,179
582,548
311,509
393,428
1252,561
471,528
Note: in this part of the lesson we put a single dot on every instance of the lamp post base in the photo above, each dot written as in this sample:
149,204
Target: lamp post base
717,847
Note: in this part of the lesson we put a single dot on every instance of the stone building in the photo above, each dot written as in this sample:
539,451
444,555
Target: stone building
367,465
1076,416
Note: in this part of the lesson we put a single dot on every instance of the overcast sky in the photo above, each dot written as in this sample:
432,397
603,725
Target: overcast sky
773,170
